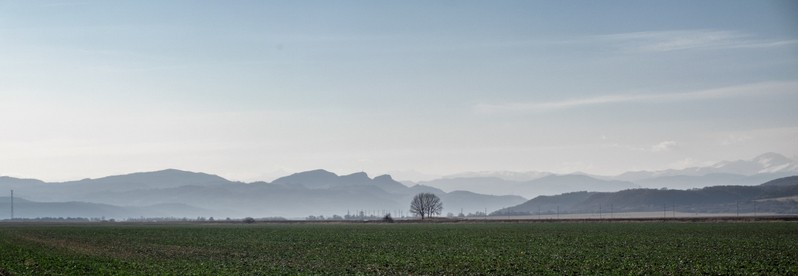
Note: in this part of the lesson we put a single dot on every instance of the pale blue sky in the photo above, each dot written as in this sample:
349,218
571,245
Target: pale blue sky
251,89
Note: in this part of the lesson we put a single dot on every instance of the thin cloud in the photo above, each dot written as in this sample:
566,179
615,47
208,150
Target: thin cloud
733,139
666,41
689,163
664,146
725,92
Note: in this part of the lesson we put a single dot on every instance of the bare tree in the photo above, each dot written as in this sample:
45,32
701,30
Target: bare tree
425,205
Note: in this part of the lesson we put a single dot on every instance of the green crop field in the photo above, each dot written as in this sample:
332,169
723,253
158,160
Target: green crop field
466,248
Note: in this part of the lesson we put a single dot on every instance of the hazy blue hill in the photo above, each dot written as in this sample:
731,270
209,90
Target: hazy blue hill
713,179
784,182
572,182
158,179
546,185
415,189
25,187
36,189
359,178
547,204
465,198
479,184
314,179
772,165
175,193
5,180
506,175
711,199
577,183
359,191
322,192
321,179
387,183
780,188
79,189
762,168
24,208
31,209
7,200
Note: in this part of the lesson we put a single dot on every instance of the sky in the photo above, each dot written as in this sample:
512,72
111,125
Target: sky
253,90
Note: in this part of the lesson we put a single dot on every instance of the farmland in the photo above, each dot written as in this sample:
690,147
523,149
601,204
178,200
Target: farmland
442,248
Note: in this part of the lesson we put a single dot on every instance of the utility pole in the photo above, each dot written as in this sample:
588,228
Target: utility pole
12,204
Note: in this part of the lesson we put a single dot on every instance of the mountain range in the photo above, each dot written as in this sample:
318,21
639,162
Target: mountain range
531,184
176,193
775,196
549,184
764,164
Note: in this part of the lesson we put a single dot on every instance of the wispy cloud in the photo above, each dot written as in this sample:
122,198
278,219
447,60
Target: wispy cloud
664,146
688,163
725,92
734,139
665,41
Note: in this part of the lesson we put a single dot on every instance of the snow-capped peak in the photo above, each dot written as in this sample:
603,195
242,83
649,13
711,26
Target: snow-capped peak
765,163
771,160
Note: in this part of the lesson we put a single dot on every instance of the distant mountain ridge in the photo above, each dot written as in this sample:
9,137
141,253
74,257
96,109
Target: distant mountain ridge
161,179
549,184
759,169
31,209
506,175
314,192
323,192
779,196
767,163
322,179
